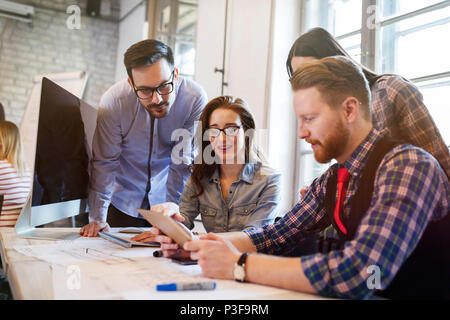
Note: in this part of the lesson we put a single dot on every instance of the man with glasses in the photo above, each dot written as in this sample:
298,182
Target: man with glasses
132,163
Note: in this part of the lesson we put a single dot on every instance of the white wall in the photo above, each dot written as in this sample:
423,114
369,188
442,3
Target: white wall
260,34
247,51
209,45
282,120
131,31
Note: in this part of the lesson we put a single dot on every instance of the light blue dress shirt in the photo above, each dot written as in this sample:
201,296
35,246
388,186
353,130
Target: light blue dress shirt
252,200
121,148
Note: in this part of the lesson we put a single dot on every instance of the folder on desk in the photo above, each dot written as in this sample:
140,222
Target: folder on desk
127,243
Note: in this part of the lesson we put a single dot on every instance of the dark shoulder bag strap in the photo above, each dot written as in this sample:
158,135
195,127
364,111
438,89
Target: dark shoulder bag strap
363,196
329,200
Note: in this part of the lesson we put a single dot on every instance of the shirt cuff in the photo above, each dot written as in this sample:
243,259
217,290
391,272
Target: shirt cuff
256,235
98,214
315,269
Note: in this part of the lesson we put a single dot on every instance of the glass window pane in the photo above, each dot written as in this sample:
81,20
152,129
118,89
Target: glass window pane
390,8
339,13
333,15
316,15
305,146
187,17
311,169
163,38
185,57
352,45
416,47
164,16
435,95
189,1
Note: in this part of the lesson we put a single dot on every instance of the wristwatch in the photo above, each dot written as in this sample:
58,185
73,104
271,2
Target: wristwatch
239,268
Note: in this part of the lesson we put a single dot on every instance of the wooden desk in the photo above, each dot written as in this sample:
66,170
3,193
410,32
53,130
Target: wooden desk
132,277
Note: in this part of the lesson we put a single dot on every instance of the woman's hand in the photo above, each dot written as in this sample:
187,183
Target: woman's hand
168,246
168,208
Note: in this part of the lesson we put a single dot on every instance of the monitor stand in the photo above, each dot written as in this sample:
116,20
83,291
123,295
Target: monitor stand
25,225
48,234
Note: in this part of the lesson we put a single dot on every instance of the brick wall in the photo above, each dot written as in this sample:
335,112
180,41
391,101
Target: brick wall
49,46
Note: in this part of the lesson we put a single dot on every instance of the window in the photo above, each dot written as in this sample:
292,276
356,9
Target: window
332,15
410,38
177,27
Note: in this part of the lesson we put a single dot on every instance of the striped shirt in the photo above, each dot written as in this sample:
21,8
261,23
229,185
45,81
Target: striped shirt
410,189
15,190
398,109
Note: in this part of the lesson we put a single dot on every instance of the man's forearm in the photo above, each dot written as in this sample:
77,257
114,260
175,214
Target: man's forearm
281,272
240,240
269,270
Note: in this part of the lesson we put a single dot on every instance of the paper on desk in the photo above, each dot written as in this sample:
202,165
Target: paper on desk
137,280
83,249
97,280
109,271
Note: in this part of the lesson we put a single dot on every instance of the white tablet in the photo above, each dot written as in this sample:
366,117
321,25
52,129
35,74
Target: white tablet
173,229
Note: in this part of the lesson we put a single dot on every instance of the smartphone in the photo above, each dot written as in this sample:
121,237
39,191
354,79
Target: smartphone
184,261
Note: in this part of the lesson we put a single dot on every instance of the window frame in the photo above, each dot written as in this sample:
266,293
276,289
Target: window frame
172,36
369,56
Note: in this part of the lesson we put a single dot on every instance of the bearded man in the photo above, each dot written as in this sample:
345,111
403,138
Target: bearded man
384,206
132,165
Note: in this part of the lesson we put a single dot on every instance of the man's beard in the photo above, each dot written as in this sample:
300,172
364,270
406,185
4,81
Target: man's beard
333,145
159,110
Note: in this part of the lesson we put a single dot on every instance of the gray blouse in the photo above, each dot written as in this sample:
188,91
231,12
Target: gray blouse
252,200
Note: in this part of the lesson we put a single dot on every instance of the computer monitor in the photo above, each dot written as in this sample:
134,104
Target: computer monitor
65,129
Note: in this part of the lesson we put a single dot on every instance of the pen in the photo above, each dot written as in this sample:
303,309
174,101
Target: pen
157,253
186,286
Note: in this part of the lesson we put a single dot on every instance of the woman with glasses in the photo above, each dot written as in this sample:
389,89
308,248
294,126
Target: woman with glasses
397,104
230,186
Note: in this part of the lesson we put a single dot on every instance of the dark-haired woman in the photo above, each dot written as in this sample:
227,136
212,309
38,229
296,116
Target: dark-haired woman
397,104
230,186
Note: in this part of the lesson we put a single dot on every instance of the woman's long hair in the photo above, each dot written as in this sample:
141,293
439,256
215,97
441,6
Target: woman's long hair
319,43
11,146
201,168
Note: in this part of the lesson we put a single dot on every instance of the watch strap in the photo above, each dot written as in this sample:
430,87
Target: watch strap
242,259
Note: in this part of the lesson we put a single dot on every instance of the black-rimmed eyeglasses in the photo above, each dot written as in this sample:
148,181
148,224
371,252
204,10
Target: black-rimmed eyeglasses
163,89
230,131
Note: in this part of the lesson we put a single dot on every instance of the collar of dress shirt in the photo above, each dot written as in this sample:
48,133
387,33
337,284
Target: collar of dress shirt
359,157
247,174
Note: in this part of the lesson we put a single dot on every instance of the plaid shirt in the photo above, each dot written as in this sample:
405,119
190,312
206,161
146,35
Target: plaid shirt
398,109
410,190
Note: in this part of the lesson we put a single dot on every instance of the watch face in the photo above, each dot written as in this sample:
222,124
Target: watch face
239,273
